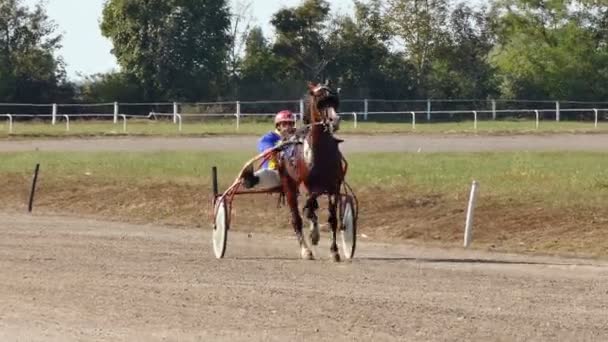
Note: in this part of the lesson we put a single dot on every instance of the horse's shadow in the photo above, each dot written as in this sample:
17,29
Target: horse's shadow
419,260
472,261
468,261
479,261
255,258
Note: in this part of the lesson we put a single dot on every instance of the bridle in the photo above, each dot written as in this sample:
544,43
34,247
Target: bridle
323,109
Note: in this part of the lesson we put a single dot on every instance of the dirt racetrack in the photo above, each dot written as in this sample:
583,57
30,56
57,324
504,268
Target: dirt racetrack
67,279
73,278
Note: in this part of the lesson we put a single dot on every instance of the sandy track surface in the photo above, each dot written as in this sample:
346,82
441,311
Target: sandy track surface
353,143
67,279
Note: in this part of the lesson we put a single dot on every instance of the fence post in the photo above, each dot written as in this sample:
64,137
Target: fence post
365,109
475,119
115,112
537,118
54,115
428,110
175,106
468,228
238,114
355,119
493,109
124,122
595,112
301,110
10,122
413,120
556,110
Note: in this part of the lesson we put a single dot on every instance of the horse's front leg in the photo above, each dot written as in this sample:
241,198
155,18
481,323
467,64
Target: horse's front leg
296,221
310,212
333,223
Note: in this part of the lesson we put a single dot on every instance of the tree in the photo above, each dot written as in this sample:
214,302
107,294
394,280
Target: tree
29,71
419,27
364,65
240,29
301,38
109,87
263,74
175,49
459,67
567,60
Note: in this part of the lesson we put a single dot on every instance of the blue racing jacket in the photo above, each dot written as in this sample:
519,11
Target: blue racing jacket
269,140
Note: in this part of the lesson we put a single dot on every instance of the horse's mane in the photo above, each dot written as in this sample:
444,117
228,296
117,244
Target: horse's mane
307,104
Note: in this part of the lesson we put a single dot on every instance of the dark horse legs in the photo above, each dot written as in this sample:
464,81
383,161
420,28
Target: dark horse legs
333,223
310,208
296,219
310,211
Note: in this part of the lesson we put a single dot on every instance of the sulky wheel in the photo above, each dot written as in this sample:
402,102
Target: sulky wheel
348,227
220,228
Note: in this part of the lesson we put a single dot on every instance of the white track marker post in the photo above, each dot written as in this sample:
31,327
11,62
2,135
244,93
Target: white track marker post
537,118
468,228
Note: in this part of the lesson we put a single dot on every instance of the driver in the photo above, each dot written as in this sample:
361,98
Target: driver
267,176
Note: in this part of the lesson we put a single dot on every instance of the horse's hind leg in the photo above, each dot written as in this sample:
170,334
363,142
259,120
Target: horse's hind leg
333,223
296,221
310,212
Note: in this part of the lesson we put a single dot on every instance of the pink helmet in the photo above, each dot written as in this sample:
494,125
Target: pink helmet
284,115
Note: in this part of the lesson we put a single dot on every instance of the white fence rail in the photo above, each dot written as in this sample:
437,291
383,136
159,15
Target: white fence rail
358,110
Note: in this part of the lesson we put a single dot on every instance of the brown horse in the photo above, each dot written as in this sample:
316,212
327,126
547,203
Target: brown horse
315,167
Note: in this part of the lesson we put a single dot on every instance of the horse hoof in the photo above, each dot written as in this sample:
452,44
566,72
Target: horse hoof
335,257
306,254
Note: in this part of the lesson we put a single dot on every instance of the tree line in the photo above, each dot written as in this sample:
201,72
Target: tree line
192,50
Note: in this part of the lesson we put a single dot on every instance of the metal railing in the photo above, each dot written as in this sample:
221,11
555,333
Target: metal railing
238,110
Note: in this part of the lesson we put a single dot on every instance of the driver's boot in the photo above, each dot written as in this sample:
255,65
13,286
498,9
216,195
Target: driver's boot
249,178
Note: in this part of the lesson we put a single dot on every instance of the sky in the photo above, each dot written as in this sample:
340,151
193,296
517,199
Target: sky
85,51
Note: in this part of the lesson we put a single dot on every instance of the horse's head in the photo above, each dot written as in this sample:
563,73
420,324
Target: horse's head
324,103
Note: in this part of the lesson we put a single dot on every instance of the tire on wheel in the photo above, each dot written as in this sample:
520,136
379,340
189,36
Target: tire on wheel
220,228
348,227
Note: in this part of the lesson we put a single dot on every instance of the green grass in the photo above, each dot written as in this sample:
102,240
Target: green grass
251,126
550,178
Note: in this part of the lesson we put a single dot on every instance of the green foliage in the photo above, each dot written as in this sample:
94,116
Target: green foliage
110,87
301,38
262,71
418,24
192,50
459,67
175,49
364,66
29,71
550,49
